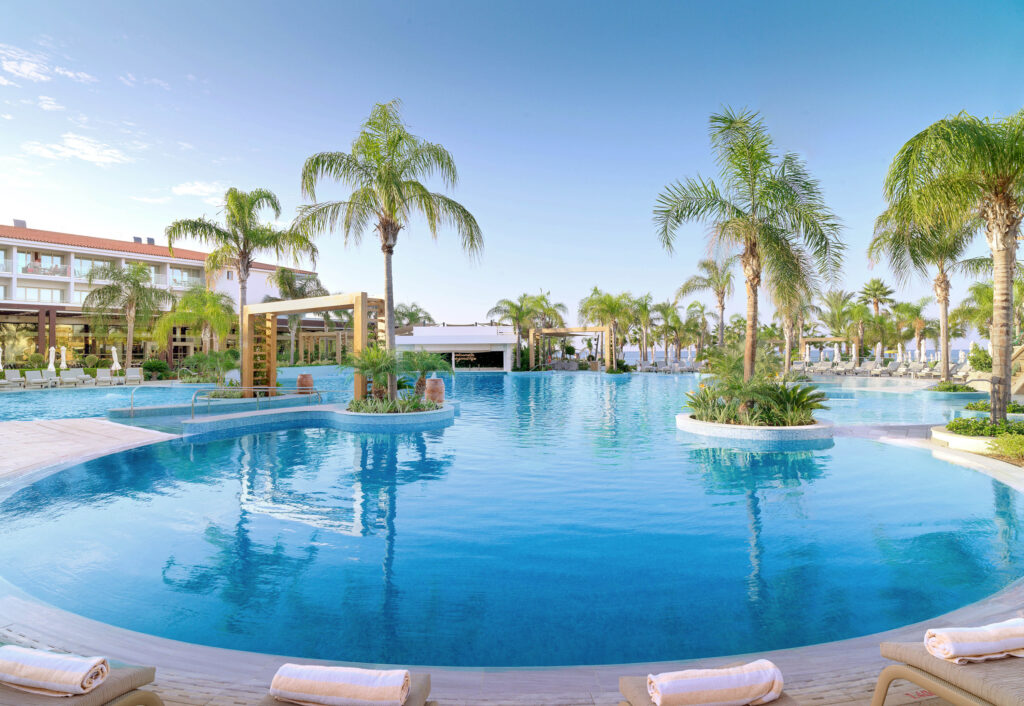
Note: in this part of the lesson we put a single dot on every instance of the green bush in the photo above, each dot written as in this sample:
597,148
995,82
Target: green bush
948,386
1008,445
233,353
156,368
969,426
91,360
36,360
372,405
583,365
104,363
980,359
984,406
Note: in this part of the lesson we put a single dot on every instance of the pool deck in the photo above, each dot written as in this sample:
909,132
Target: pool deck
839,673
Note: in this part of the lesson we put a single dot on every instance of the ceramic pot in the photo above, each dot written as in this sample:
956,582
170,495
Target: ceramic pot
304,384
435,390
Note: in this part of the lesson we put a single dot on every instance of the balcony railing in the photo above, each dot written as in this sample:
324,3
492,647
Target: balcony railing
6,266
45,270
186,282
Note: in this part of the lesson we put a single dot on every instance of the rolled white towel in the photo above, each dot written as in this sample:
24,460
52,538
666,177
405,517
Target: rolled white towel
340,686
50,673
758,682
963,645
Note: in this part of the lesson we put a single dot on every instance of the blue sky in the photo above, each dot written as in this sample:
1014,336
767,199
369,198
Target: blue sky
566,119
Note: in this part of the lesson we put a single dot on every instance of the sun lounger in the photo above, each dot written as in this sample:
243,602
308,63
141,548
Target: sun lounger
999,682
133,376
865,368
635,691
798,366
844,368
120,688
103,377
419,692
69,378
83,377
51,375
34,378
886,369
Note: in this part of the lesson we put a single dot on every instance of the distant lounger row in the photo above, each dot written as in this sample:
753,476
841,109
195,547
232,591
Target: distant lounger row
75,377
957,371
678,367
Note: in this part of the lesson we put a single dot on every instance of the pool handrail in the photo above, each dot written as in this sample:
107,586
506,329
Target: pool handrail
308,391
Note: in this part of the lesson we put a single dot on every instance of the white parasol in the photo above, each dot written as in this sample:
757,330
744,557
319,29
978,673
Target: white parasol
878,352
63,357
53,354
115,365
835,351
962,357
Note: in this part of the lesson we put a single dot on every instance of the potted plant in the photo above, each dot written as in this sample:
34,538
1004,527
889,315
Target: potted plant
374,363
422,362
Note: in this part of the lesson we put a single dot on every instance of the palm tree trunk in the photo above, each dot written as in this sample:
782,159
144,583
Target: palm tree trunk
942,297
389,315
721,322
205,338
291,345
1000,334
750,347
129,316
787,347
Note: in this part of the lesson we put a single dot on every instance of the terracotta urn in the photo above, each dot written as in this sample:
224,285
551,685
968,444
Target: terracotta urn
304,384
435,390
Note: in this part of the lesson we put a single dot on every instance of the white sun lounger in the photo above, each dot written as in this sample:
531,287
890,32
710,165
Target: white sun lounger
34,378
133,376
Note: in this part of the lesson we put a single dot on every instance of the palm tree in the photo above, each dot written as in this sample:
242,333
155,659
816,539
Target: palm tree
977,310
517,313
213,313
376,364
835,311
643,315
384,168
128,293
768,207
911,316
716,278
911,248
876,293
548,314
612,310
422,362
667,322
412,315
859,316
292,285
243,237
790,304
963,167
697,314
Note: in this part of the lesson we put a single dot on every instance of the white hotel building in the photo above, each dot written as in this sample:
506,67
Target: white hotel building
44,279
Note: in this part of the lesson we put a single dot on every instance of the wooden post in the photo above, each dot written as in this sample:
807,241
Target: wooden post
245,337
608,348
271,352
337,346
359,325
532,352
301,359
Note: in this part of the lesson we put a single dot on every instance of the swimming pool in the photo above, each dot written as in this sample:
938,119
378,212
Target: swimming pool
561,520
87,401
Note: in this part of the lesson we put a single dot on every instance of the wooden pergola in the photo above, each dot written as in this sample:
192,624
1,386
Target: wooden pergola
537,333
309,339
819,339
259,334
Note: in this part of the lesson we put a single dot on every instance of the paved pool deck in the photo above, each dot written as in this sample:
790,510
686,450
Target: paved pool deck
840,673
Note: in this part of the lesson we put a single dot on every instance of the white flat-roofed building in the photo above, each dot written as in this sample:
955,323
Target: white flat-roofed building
44,280
474,346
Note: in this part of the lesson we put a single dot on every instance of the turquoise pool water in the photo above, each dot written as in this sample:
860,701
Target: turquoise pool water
87,401
561,520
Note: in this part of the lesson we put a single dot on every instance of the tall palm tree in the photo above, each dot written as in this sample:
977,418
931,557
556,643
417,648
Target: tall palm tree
517,313
716,278
876,293
768,207
384,168
911,249
859,316
697,315
293,285
910,316
977,310
962,167
128,292
243,237
412,315
612,310
548,314
835,311
643,315
790,306
667,322
213,313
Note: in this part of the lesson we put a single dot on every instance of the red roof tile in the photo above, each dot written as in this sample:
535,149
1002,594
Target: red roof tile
121,246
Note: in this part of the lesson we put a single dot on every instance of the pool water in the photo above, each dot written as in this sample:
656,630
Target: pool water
88,401
561,520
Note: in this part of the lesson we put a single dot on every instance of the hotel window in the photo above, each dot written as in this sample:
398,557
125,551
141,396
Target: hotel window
79,296
185,278
231,274
3,291
84,264
34,263
40,294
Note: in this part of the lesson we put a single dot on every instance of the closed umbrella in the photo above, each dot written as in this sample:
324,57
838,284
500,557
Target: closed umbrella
962,358
878,352
53,355
899,352
63,357
835,351
113,352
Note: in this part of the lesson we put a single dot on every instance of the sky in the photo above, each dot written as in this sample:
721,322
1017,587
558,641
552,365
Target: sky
566,120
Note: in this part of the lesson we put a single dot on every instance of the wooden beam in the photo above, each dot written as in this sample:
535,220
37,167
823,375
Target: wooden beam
247,353
533,336
271,352
359,324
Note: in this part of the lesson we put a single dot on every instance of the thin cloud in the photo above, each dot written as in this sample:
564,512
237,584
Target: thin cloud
213,201
74,146
6,116
186,145
198,188
26,69
127,79
79,76
35,66
47,103
7,82
157,82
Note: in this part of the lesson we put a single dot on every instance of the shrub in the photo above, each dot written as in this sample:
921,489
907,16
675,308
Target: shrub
948,386
980,359
104,363
969,426
36,360
91,360
756,403
1008,445
373,405
156,369
583,365
984,406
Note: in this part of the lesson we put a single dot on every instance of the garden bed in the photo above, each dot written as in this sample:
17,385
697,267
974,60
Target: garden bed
818,430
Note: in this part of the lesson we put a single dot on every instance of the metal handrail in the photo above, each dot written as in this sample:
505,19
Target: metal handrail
309,391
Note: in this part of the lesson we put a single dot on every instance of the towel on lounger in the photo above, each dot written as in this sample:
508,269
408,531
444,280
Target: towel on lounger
755,683
963,645
50,673
340,686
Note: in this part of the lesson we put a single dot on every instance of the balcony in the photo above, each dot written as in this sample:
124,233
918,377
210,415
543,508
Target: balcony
6,267
45,270
187,282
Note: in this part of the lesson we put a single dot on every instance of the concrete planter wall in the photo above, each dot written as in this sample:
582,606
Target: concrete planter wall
978,414
965,396
820,430
974,444
333,416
